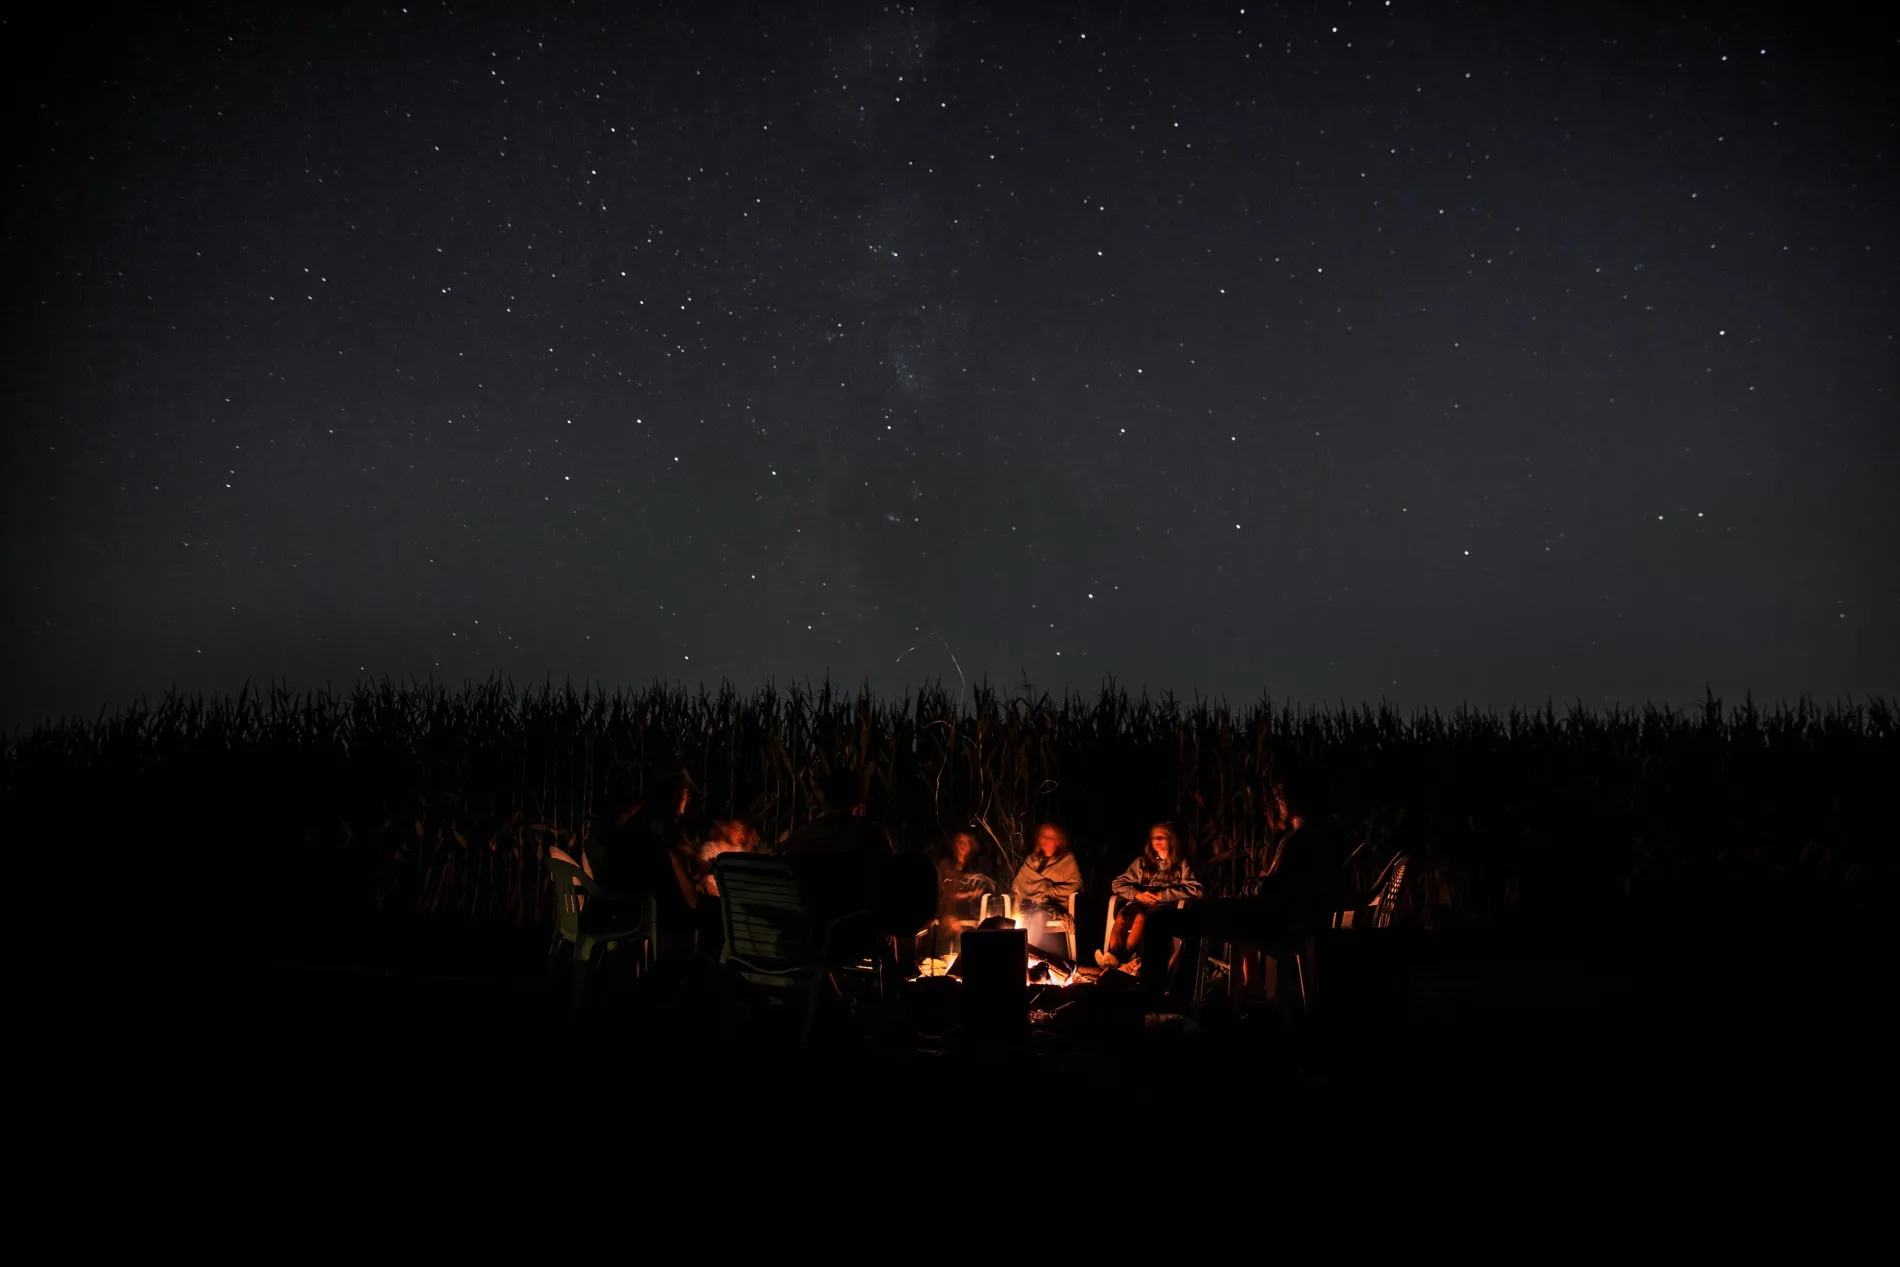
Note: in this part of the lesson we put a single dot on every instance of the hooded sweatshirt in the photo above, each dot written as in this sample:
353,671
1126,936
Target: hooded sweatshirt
1169,887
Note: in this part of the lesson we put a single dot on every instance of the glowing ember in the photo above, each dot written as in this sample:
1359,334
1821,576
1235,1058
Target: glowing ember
1055,976
1037,971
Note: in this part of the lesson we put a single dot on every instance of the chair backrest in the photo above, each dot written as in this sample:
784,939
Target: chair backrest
1378,912
571,887
1389,895
768,921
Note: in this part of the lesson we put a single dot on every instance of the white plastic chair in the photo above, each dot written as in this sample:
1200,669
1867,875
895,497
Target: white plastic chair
1059,922
929,934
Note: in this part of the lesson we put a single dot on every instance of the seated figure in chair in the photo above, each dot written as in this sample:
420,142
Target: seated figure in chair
961,887
641,848
847,859
730,835
1305,879
1048,878
1160,876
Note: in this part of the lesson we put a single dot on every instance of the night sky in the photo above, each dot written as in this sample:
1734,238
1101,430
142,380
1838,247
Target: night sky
1430,352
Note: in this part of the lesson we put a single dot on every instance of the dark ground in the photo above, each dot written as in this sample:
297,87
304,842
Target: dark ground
1419,1032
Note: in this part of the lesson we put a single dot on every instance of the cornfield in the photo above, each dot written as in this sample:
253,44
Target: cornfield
418,799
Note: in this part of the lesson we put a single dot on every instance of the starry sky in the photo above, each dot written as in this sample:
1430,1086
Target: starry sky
1433,352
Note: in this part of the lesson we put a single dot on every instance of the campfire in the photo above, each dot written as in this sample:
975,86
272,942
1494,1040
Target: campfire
1039,968
1046,973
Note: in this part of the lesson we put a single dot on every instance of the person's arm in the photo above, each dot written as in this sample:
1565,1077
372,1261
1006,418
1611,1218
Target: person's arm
1127,885
1186,887
1064,878
1029,884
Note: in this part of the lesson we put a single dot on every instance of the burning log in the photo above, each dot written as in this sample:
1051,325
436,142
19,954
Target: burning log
1052,965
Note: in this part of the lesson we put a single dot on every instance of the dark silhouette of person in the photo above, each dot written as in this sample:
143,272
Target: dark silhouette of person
729,835
1304,876
647,850
844,827
846,860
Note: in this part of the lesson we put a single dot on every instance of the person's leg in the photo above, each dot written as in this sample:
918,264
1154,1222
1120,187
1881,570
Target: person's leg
1160,926
1118,941
1132,931
1109,956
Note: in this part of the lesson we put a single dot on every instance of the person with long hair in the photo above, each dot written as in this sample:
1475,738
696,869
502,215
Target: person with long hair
1304,881
1046,881
961,885
1160,876
961,882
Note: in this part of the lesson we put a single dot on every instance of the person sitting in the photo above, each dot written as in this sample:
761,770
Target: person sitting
731,835
844,828
1304,877
961,886
1159,877
642,847
845,858
961,881
1048,878
610,857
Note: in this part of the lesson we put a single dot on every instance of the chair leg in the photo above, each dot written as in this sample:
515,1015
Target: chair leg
1285,971
1296,959
1309,972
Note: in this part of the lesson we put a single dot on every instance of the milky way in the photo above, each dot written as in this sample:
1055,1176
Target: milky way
1338,351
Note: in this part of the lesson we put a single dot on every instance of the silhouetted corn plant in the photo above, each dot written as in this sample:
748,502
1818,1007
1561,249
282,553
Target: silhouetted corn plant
444,802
